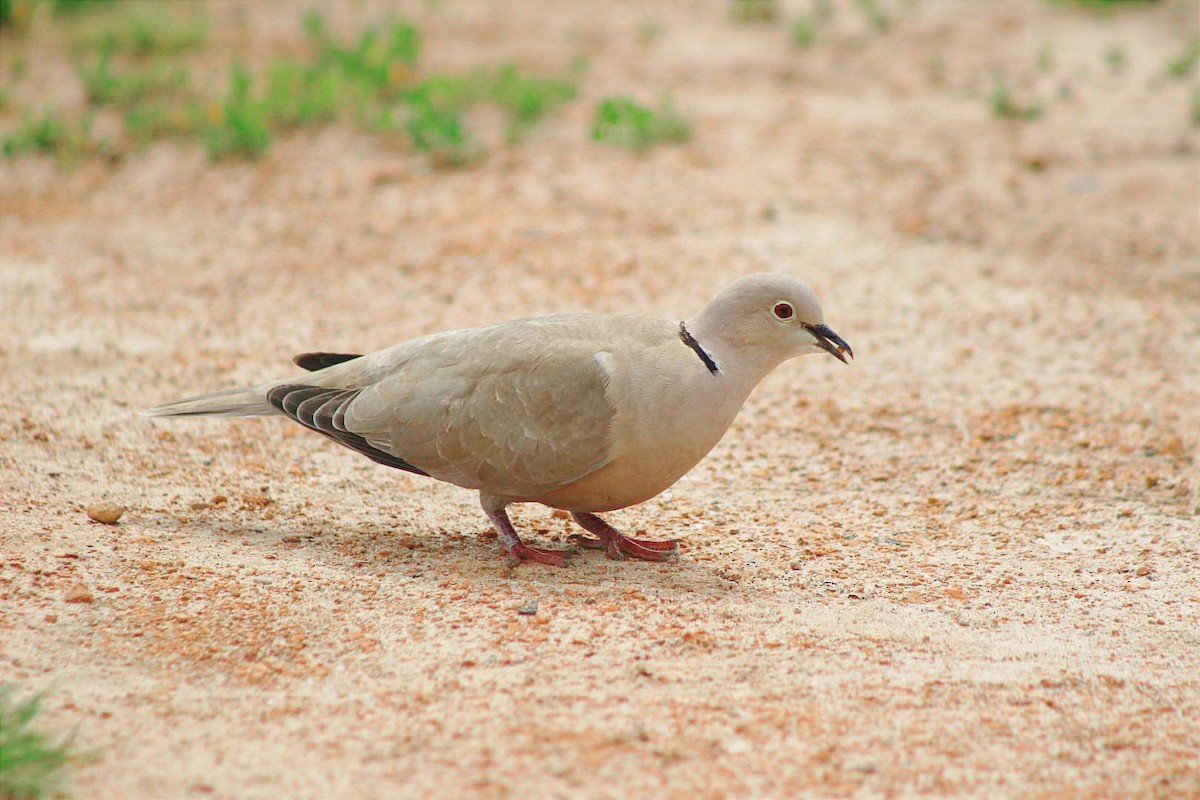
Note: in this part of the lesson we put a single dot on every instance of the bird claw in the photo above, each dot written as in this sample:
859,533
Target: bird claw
617,544
621,546
542,555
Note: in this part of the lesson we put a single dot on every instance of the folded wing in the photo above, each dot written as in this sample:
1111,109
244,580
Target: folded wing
323,410
515,410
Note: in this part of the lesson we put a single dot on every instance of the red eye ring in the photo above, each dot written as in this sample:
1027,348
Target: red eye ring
783,310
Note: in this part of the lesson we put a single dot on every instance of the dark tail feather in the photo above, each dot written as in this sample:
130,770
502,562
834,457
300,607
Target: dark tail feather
317,361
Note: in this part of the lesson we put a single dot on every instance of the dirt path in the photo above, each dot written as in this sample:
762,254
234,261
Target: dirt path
966,565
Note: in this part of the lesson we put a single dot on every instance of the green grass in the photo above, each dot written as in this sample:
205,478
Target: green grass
438,132
131,31
1045,58
527,99
297,94
71,6
1196,106
880,20
1182,65
937,68
148,122
65,138
804,32
104,86
32,764
382,58
754,11
432,111
241,129
648,32
624,122
1114,57
375,81
131,69
17,15
1005,107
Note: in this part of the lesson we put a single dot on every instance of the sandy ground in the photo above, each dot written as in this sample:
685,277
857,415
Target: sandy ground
965,565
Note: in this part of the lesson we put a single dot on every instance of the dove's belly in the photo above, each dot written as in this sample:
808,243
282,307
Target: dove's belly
662,435
620,484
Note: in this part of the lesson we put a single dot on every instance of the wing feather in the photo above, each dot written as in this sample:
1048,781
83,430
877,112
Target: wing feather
318,361
317,408
515,410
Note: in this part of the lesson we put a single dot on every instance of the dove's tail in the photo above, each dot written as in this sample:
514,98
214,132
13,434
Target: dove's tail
244,402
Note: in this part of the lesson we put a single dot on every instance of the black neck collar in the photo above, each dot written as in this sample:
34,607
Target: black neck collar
691,342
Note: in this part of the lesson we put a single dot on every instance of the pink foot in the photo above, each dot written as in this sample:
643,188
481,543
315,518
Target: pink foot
523,552
518,551
618,545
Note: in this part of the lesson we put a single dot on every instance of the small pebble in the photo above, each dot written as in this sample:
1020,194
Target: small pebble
78,594
529,609
107,513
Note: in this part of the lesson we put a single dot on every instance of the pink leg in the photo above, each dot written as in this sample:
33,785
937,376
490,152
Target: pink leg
617,544
518,551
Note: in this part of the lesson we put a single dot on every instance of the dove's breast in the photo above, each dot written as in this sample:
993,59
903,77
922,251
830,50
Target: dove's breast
670,412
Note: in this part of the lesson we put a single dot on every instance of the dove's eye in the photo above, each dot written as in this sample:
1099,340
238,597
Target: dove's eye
783,310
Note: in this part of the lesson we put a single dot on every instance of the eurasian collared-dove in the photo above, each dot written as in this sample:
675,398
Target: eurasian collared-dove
582,412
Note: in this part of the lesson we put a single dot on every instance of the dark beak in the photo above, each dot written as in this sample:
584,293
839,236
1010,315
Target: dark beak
830,342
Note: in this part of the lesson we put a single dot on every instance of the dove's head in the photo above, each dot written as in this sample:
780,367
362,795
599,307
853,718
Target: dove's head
768,315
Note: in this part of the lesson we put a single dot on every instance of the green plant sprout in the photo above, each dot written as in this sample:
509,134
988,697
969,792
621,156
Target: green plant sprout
137,35
51,133
1114,57
880,20
1182,65
107,87
1045,58
32,765
241,126
755,11
1005,107
624,122
804,32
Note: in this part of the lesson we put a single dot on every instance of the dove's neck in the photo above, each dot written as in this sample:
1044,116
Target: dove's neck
741,364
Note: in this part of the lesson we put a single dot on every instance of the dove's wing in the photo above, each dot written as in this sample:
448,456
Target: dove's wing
516,409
